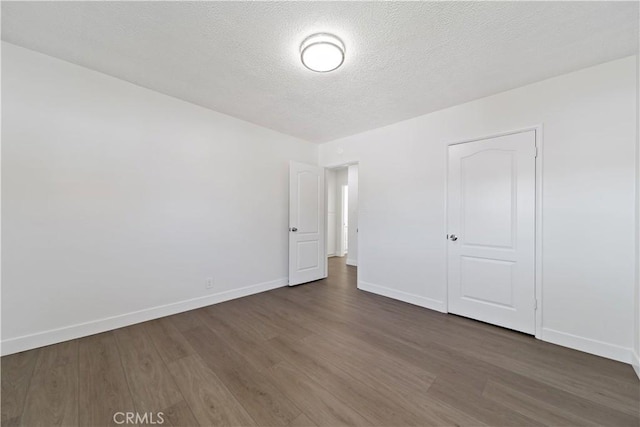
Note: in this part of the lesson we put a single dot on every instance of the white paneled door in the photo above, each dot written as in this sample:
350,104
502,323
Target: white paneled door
307,254
491,226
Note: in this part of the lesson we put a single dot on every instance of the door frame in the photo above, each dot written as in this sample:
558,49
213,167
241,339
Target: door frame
538,132
344,196
326,213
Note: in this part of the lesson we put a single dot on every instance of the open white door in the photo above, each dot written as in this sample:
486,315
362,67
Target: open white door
307,253
491,220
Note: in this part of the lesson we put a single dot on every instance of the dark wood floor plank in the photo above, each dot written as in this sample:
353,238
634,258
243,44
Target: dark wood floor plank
169,342
52,398
266,404
375,367
209,399
281,325
152,386
185,321
11,422
571,403
450,388
17,370
102,382
249,345
621,395
320,405
380,410
243,319
523,403
388,374
179,415
302,421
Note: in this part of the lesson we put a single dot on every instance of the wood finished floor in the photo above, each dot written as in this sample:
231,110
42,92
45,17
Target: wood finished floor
317,354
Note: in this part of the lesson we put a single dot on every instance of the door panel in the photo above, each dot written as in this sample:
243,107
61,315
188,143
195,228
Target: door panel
309,192
487,280
491,213
488,205
307,253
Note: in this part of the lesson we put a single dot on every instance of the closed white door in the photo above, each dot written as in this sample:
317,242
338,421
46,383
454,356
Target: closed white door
491,223
307,254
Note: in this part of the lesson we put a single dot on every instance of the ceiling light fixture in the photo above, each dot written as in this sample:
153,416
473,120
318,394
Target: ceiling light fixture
322,52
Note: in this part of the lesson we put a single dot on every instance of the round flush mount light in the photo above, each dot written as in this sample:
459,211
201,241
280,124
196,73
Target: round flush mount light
322,52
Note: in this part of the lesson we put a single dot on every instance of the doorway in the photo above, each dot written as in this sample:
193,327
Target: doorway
344,235
342,217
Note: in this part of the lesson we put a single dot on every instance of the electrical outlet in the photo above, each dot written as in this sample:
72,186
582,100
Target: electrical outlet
209,283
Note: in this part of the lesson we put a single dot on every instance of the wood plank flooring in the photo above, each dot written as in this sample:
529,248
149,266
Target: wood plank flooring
321,354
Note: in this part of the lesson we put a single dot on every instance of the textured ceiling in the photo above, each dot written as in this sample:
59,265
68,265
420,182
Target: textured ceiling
403,59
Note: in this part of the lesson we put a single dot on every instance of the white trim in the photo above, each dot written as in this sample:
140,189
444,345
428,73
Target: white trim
497,135
418,300
446,229
538,132
53,336
340,165
326,225
635,362
588,345
539,221
358,218
351,261
636,333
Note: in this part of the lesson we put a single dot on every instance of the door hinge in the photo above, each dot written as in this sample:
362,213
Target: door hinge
535,152
535,304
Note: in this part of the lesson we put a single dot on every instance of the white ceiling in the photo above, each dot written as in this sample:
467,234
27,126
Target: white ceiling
403,59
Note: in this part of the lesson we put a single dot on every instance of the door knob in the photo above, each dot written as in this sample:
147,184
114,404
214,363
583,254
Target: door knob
294,229
453,237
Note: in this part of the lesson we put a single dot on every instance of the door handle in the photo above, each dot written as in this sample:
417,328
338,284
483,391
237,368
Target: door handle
294,229
453,237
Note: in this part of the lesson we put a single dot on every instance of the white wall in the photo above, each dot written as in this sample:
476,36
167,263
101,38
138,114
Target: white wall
118,202
352,179
589,120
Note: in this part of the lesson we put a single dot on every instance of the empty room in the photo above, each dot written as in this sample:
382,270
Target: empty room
351,213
